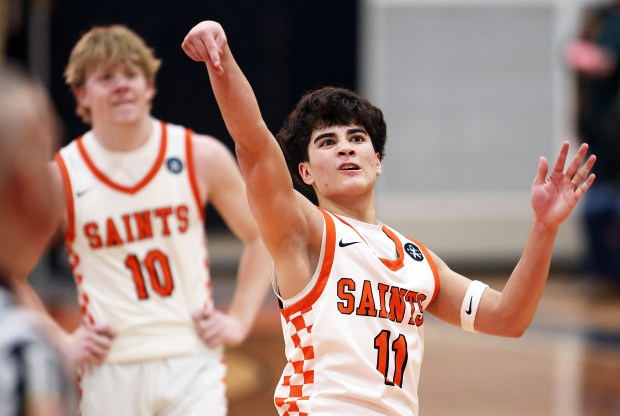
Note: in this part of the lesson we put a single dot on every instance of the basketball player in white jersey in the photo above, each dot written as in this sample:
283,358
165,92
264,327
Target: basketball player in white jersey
135,191
354,291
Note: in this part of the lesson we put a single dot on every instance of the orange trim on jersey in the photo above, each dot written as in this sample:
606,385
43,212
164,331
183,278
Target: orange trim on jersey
141,184
398,263
64,173
393,265
326,267
193,181
353,228
431,263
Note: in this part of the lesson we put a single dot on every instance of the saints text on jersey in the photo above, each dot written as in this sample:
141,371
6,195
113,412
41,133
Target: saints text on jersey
136,226
392,301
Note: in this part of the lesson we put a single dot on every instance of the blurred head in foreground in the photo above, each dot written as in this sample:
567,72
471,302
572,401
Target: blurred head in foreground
29,209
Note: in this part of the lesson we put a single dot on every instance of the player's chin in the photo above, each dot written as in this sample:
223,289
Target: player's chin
356,186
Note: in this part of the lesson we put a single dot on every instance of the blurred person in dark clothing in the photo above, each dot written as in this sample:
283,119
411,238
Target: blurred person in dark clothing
594,56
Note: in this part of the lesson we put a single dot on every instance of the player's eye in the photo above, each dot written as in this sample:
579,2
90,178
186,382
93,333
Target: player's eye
131,73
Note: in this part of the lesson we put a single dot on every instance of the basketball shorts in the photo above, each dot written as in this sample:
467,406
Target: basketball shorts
188,386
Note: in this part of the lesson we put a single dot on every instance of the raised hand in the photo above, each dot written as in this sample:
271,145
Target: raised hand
554,198
205,42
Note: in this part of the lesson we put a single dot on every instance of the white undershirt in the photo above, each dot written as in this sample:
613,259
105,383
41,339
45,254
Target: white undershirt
125,168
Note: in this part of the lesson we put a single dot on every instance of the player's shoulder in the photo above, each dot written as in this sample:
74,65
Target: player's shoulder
203,145
208,148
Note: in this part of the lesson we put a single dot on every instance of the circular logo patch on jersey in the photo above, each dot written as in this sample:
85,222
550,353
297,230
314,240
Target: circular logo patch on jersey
174,165
414,252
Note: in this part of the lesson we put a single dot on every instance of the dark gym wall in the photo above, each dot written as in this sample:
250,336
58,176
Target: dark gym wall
284,47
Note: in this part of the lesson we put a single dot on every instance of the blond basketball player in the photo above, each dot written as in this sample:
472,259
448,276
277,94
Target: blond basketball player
136,189
354,291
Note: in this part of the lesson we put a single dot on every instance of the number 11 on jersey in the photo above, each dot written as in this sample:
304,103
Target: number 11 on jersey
399,349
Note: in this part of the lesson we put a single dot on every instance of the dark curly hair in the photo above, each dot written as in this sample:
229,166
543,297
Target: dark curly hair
326,107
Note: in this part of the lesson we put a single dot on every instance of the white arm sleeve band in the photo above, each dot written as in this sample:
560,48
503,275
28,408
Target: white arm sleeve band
469,308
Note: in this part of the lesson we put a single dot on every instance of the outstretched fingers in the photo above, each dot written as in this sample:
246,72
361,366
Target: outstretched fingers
582,172
543,168
555,196
584,186
560,161
579,157
578,172
582,179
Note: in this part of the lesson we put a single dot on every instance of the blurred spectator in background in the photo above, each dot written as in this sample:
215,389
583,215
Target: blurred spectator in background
594,56
34,376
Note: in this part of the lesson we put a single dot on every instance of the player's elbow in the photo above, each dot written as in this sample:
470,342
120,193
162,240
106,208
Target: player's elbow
509,325
515,332
514,327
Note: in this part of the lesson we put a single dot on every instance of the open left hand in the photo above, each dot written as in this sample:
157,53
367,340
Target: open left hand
553,198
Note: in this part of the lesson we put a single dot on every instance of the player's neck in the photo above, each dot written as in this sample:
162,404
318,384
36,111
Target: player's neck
361,209
123,137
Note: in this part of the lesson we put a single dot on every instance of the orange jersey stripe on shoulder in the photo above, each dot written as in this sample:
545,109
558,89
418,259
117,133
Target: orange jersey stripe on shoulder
326,266
193,180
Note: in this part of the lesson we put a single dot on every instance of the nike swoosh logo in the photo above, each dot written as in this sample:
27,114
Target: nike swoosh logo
341,244
468,310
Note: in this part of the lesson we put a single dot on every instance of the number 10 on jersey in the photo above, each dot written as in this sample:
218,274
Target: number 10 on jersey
157,267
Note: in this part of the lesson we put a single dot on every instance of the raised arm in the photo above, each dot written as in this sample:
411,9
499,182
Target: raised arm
510,312
288,222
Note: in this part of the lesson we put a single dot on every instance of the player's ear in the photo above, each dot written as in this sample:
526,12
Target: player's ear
305,173
379,169
80,96
151,90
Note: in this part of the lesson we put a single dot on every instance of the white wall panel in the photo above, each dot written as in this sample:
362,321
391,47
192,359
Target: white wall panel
473,93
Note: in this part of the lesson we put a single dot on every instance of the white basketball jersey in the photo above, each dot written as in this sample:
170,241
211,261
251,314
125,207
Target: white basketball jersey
138,253
354,338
